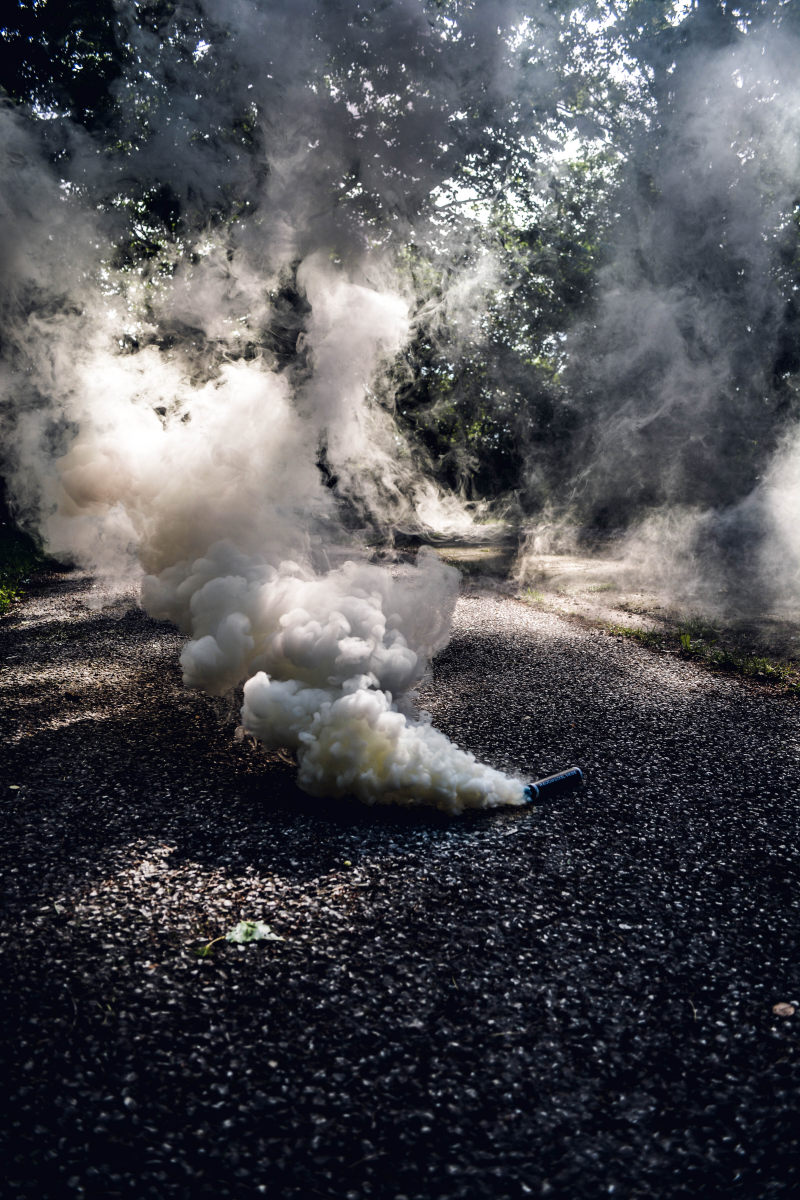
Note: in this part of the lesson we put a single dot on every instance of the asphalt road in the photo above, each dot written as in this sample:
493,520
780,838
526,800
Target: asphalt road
576,1001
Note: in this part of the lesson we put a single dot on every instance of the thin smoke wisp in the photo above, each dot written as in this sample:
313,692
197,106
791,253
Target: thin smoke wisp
683,374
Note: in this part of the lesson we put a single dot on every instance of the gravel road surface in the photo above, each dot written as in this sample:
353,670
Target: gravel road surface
574,1001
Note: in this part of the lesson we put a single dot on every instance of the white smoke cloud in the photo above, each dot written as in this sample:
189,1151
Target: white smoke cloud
193,470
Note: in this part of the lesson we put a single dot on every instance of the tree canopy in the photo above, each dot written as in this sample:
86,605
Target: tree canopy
594,207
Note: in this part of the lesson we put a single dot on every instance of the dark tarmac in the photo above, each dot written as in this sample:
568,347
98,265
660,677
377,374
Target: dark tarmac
572,1001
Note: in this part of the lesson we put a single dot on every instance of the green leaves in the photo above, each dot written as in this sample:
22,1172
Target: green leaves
19,557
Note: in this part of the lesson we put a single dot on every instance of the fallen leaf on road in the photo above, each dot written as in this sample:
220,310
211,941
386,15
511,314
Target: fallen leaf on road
252,931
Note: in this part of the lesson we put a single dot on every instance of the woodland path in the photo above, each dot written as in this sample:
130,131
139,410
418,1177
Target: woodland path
573,1002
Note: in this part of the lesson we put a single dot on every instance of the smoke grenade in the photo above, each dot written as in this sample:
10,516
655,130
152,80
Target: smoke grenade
553,786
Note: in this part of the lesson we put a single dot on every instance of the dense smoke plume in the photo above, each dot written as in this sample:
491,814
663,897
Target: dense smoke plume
208,418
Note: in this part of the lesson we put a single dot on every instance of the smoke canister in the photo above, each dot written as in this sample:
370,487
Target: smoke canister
552,786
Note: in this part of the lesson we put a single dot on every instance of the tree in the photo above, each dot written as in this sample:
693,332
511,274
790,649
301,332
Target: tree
532,173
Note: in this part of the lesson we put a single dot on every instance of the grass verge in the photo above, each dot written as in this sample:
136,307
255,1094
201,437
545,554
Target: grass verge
701,643
19,558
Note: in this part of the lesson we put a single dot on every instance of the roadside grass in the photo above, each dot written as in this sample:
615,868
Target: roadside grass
645,637
737,647
699,641
19,558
